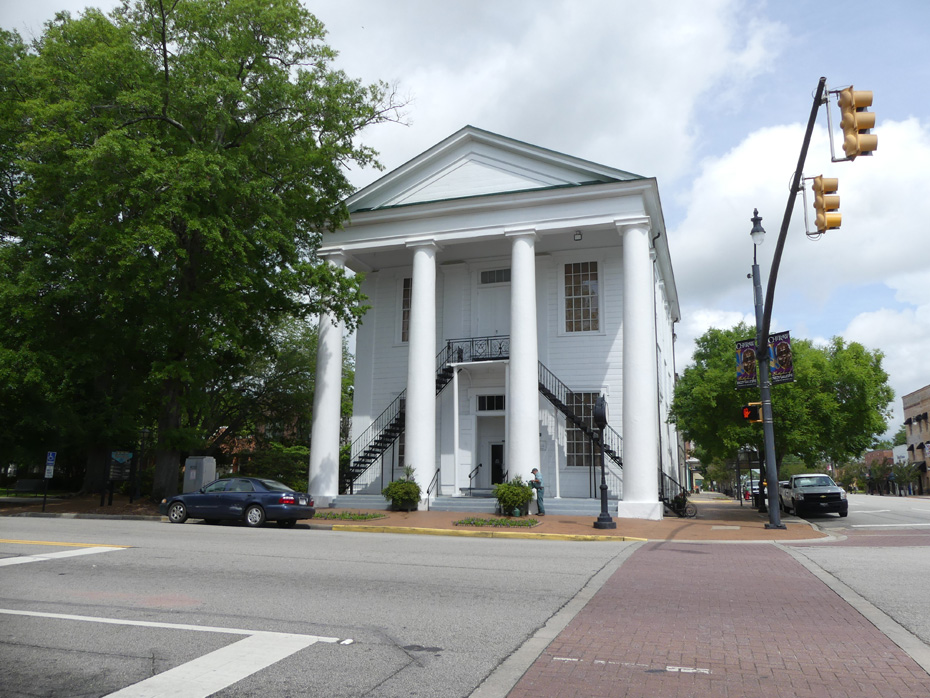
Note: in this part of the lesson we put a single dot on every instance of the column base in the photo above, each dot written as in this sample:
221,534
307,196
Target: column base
324,502
651,511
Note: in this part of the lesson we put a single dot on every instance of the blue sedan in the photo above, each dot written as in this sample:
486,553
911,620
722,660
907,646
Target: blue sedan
253,500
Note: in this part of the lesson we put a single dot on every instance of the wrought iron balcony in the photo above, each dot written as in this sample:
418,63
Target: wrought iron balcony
477,349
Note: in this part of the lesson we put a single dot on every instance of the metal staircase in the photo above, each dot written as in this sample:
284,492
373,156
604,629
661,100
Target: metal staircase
370,446
561,398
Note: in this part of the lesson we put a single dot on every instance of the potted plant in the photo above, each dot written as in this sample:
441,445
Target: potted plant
403,494
513,497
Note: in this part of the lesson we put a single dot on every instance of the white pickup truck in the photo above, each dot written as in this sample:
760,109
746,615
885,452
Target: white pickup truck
812,493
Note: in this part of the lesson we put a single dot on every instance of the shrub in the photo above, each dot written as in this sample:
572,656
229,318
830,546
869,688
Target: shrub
404,494
513,496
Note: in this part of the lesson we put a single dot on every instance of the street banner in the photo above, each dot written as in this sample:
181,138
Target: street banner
781,364
746,364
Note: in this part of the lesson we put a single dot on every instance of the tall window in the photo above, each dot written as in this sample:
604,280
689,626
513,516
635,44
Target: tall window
405,311
581,297
579,448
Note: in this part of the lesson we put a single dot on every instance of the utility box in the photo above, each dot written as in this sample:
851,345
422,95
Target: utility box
198,471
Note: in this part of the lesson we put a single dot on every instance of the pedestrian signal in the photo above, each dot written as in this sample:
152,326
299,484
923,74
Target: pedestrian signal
752,412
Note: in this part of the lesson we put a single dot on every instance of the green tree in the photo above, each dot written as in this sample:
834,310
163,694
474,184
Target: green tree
170,171
835,408
900,437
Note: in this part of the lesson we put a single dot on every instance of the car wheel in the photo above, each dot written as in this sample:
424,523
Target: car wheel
177,512
286,523
844,514
795,507
254,516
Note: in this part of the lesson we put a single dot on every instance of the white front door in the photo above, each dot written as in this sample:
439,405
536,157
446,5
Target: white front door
492,318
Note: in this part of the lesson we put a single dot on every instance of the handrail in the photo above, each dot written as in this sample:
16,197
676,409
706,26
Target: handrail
562,397
434,481
669,488
377,426
478,349
470,476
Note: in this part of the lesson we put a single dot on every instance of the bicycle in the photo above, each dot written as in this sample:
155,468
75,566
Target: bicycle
682,508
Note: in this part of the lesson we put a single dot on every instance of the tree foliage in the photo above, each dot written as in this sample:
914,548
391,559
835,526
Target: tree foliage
835,408
167,174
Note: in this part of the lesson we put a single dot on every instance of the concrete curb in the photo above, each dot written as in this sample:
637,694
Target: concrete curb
480,534
120,517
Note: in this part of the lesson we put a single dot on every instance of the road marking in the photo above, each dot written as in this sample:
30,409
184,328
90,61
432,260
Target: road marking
904,525
22,559
210,673
61,545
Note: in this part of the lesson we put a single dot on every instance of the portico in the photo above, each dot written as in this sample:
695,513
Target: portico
565,263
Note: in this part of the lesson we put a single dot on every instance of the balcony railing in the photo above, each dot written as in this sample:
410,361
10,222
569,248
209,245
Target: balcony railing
477,349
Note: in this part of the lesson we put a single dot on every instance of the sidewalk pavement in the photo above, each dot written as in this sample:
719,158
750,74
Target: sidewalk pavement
718,620
718,519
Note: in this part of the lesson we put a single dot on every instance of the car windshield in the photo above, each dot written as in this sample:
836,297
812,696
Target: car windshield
820,481
275,486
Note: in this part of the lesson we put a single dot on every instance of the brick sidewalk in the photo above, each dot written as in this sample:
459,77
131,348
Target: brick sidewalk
717,620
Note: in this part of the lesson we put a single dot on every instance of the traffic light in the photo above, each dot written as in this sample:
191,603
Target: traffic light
752,412
826,202
856,122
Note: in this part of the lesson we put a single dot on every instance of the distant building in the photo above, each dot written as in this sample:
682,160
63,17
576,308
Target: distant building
510,287
917,427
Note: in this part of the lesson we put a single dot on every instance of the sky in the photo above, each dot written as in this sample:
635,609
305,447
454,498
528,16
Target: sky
711,98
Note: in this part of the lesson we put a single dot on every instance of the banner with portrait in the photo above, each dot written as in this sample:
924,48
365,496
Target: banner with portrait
746,364
781,363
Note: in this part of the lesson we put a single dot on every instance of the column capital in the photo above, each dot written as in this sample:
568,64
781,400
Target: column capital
624,224
337,257
429,243
528,231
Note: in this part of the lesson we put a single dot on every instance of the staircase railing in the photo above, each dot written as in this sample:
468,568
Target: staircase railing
375,440
562,398
429,490
370,446
669,488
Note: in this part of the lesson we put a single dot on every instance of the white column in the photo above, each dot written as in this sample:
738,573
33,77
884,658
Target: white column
327,407
523,392
640,390
455,430
420,430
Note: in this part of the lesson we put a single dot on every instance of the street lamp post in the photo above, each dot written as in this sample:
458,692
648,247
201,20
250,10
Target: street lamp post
600,421
765,381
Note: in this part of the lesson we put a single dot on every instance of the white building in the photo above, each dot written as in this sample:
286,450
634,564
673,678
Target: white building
510,286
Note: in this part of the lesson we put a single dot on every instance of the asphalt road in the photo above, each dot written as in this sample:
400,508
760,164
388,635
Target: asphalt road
879,512
881,555
271,612
276,612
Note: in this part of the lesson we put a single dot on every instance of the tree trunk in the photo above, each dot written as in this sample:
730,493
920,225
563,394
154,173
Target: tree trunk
98,463
167,454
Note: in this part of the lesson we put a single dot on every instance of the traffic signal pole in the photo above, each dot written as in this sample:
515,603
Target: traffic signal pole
762,332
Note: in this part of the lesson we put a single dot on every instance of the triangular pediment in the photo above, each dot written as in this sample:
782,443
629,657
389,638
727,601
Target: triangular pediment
473,163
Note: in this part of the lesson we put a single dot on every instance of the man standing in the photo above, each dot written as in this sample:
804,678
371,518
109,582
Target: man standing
537,484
